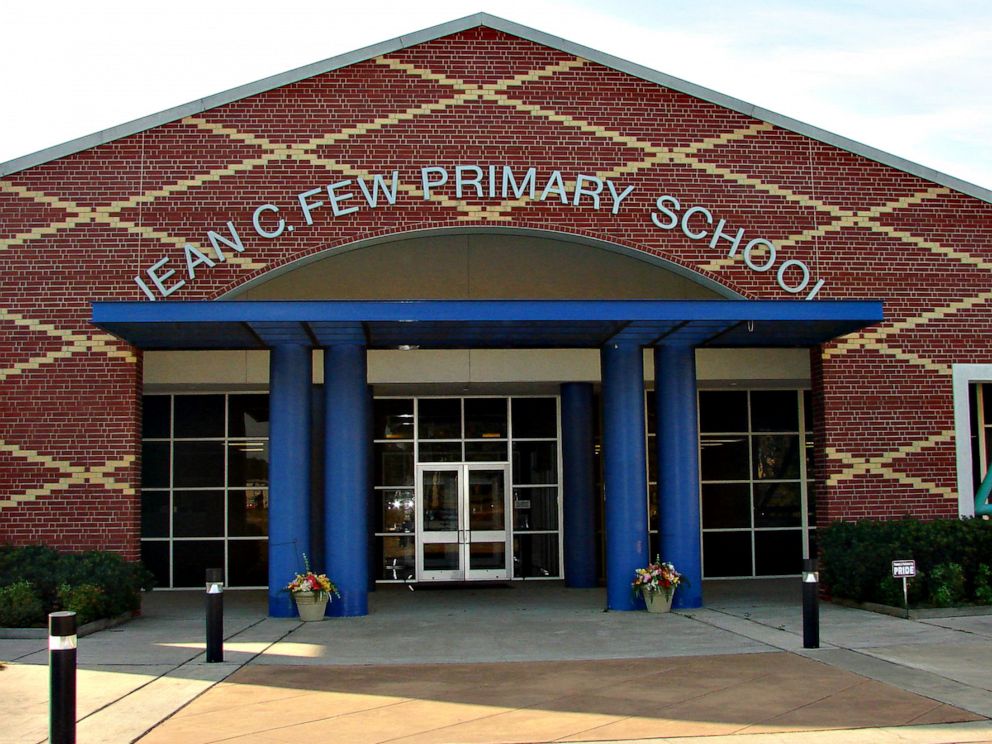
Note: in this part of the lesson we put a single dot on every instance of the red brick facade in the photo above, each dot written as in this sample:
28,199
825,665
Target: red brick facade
79,228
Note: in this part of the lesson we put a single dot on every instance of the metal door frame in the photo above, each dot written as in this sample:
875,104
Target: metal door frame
463,535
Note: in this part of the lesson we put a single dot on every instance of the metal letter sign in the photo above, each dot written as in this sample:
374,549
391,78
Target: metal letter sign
903,569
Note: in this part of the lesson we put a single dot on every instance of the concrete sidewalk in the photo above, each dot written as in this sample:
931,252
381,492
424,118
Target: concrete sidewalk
533,662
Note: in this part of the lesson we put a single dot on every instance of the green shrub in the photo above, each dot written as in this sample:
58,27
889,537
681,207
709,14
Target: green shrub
856,559
947,585
983,584
37,564
20,606
120,582
88,601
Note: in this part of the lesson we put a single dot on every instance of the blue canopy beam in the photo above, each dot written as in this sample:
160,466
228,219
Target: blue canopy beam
447,324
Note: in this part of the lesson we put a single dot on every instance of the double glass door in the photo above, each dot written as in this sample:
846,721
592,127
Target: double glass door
461,522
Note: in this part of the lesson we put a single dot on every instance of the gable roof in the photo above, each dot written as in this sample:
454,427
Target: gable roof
499,24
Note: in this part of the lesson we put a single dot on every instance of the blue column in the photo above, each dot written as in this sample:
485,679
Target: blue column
290,380
347,449
625,469
678,468
579,485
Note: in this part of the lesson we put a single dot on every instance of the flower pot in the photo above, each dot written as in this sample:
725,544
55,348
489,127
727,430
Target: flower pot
657,601
311,605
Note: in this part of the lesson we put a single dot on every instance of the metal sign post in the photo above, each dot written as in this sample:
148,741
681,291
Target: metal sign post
905,570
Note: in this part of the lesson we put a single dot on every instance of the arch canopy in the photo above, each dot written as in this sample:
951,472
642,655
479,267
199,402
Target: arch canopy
491,324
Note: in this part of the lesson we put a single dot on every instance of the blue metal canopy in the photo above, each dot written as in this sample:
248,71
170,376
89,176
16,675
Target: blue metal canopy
491,324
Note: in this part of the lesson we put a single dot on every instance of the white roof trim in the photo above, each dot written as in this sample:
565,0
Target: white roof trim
499,24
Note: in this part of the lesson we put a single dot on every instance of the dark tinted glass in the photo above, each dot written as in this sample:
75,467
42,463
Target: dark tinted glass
393,464
441,557
534,418
485,418
397,513
535,555
808,410
777,505
726,505
778,552
198,464
248,463
155,556
776,456
155,514
486,451
650,405
198,513
396,558
774,410
726,554
155,464
393,418
440,451
535,463
724,458
652,506
198,416
248,416
248,512
535,509
440,418
487,555
248,562
192,558
810,461
722,410
987,403
155,416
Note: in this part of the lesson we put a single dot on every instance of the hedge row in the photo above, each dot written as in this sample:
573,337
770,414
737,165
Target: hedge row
953,561
36,580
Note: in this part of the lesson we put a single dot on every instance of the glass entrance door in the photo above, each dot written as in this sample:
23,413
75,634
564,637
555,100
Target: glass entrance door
462,532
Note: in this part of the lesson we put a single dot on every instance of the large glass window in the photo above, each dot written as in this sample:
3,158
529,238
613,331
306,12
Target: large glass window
522,431
205,488
755,463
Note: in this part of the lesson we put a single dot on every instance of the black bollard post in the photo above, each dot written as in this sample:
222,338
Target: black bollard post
62,677
811,604
215,615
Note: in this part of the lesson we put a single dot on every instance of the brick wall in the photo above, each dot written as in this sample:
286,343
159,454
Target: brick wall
79,229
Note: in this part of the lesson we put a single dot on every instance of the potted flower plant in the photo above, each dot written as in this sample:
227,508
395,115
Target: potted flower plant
657,583
312,592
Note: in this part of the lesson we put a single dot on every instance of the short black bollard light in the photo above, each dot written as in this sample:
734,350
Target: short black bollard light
62,677
811,604
215,615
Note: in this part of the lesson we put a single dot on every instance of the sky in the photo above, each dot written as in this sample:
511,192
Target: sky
910,77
